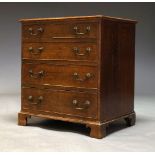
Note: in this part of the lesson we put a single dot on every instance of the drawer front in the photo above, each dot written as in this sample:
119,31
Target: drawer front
60,102
60,51
65,75
60,30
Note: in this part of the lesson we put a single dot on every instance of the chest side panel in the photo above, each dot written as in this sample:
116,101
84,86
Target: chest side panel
117,69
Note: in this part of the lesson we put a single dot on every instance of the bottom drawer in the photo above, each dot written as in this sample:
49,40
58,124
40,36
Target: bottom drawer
81,104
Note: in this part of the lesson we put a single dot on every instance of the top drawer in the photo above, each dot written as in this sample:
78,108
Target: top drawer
58,31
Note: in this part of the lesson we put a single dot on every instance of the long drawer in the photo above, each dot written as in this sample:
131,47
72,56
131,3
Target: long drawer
60,30
60,51
80,104
66,75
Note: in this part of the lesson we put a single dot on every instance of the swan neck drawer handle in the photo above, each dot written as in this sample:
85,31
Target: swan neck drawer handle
77,51
77,30
76,77
35,32
35,101
36,75
85,105
37,51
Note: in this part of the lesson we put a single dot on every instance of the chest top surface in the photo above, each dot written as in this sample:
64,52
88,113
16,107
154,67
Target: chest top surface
72,18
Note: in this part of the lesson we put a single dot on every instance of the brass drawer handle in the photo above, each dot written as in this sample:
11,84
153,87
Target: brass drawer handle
37,51
36,75
33,101
85,105
77,51
35,32
76,77
77,30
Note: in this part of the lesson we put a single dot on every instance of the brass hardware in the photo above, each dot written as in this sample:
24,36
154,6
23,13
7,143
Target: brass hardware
88,75
30,98
77,30
77,77
86,104
40,98
40,48
33,101
37,51
36,75
77,51
74,102
35,32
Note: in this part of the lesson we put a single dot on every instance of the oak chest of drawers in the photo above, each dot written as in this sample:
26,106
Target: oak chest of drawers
78,69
